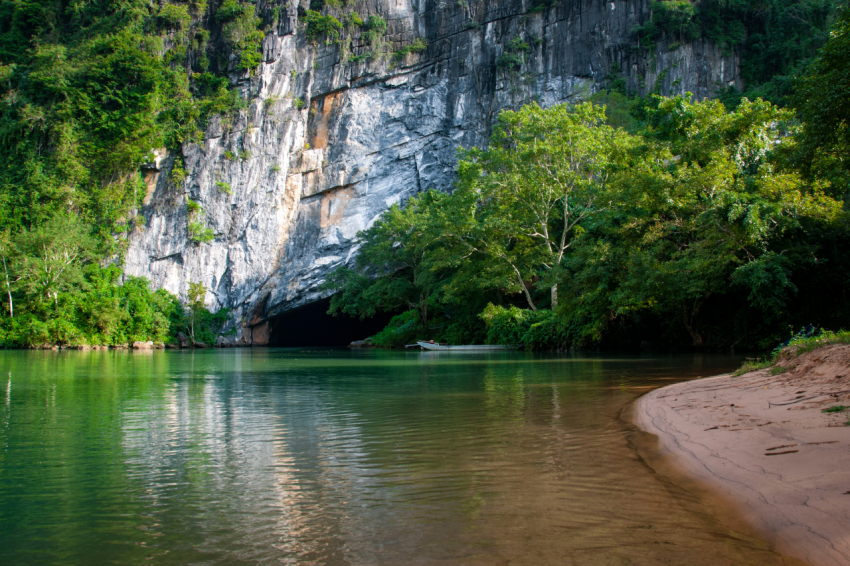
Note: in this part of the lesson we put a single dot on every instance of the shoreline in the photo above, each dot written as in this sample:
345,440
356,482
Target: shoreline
761,450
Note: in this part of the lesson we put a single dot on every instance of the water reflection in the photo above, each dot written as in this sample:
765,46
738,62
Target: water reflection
293,457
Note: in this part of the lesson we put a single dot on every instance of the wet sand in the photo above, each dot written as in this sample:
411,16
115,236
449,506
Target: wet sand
762,447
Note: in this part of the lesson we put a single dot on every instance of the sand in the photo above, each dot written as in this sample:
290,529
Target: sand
762,444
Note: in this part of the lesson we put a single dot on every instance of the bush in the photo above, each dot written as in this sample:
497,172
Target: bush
100,311
229,10
199,233
513,56
242,34
174,16
353,19
417,46
374,29
403,329
539,330
318,25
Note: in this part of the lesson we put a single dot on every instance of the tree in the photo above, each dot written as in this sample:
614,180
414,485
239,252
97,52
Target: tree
706,209
823,102
543,174
196,297
51,258
6,254
393,268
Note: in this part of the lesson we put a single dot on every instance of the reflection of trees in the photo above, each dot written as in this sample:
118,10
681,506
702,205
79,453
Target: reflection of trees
251,456
505,394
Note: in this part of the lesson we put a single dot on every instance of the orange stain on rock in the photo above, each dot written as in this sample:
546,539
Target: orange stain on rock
333,206
323,108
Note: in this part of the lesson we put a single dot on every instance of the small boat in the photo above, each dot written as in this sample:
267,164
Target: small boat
466,348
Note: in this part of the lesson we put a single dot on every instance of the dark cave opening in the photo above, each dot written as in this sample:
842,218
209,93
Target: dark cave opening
311,325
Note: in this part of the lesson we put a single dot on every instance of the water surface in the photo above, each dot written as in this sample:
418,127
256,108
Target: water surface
280,456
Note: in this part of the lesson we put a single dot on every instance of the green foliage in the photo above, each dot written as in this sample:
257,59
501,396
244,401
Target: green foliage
374,29
58,294
514,54
363,57
800,345
823,103
393,250
353,19
780,42
89,91
541,330
776,38
319,25
199,232
196,297
753,364
835,409
224,187
298,103
695,232
242,34
675,18
175,16
403,329
417,46
230,10
537,6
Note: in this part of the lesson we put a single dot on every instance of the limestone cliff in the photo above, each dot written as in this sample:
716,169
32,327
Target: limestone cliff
327,143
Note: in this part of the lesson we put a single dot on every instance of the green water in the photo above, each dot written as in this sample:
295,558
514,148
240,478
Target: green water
273,456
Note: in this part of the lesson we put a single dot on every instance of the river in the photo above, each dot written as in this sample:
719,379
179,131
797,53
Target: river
286,456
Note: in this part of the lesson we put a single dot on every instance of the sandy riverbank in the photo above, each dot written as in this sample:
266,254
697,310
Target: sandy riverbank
762,444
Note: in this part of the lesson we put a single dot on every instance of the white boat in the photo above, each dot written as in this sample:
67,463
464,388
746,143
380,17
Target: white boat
465,348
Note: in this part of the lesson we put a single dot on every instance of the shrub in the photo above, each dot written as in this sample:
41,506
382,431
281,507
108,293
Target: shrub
416,47
199,233
368,56
403,329
513,56
353,19
229,10
318,25
540,329
374,29
242,34
174,16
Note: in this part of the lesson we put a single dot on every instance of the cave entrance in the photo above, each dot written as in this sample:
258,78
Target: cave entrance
311,325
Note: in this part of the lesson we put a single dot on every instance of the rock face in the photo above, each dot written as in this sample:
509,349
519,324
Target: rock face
327,144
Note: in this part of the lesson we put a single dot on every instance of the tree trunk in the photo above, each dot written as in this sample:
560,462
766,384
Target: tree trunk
524,289
9,290
423,310
689,317
554,296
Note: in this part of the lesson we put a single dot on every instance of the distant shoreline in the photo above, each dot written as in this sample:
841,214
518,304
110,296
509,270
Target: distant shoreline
761,446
